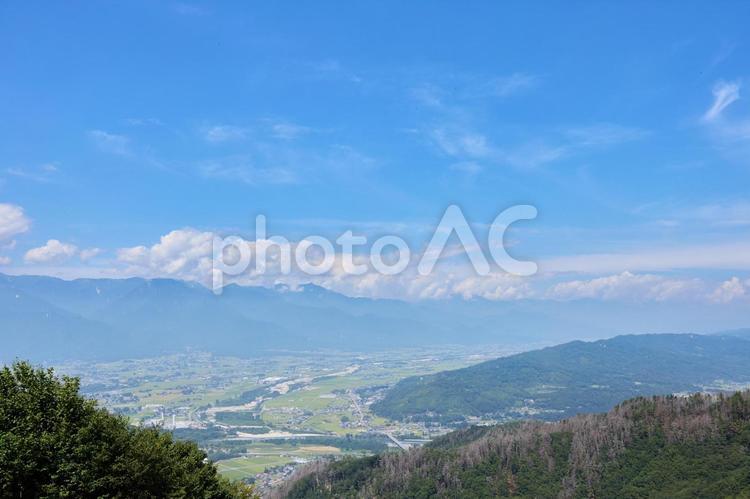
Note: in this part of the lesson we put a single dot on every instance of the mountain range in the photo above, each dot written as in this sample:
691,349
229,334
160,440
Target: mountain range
50,319
576,377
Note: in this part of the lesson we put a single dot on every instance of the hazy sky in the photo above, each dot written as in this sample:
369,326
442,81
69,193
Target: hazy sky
130,130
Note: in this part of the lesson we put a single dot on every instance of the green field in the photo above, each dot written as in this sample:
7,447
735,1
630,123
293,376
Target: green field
264,456
244,467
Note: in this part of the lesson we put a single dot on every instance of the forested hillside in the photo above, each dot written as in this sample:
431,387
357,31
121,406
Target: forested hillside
55,443
572,378
676,447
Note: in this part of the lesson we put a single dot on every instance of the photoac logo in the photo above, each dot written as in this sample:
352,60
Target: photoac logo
388,255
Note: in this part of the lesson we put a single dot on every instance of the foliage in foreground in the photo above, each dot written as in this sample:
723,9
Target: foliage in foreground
673,447
55,443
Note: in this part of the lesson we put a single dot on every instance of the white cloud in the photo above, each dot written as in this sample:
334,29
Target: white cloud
428,95
89,253
110,142
183,254
626,286
462,144
276,163
5,260
466,145
727,213
505,86
728,291
276,129
603,134
288,131
535,154
242,169
448,279
54,251
725,93
43,174
714,256
731,135
187,254
224,133
137,255
468,87
13,221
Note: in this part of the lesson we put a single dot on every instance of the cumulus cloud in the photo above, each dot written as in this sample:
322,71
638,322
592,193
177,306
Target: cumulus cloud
448,279
626,286
13,221
729,290
89,253
725,93
52,252
187,254
5,260
183,254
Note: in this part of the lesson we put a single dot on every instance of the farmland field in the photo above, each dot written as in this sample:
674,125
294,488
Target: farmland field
254,417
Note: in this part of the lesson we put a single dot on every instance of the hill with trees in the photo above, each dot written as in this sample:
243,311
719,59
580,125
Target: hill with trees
564,380
676,447
55,443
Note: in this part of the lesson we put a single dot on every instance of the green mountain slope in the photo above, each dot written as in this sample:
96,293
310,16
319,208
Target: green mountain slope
55,443
675,447
576,377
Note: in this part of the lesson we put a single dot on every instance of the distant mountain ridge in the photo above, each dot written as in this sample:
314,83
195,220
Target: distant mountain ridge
48,318
45,318
576,377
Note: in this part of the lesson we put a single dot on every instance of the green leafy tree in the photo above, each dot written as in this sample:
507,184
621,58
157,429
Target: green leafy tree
55,443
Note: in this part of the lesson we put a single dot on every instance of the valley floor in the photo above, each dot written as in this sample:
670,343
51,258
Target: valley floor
260,418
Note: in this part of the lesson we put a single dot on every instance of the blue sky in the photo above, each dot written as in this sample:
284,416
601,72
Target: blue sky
626,125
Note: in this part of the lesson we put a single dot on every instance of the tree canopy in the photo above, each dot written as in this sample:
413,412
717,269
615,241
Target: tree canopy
56,443
675,447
